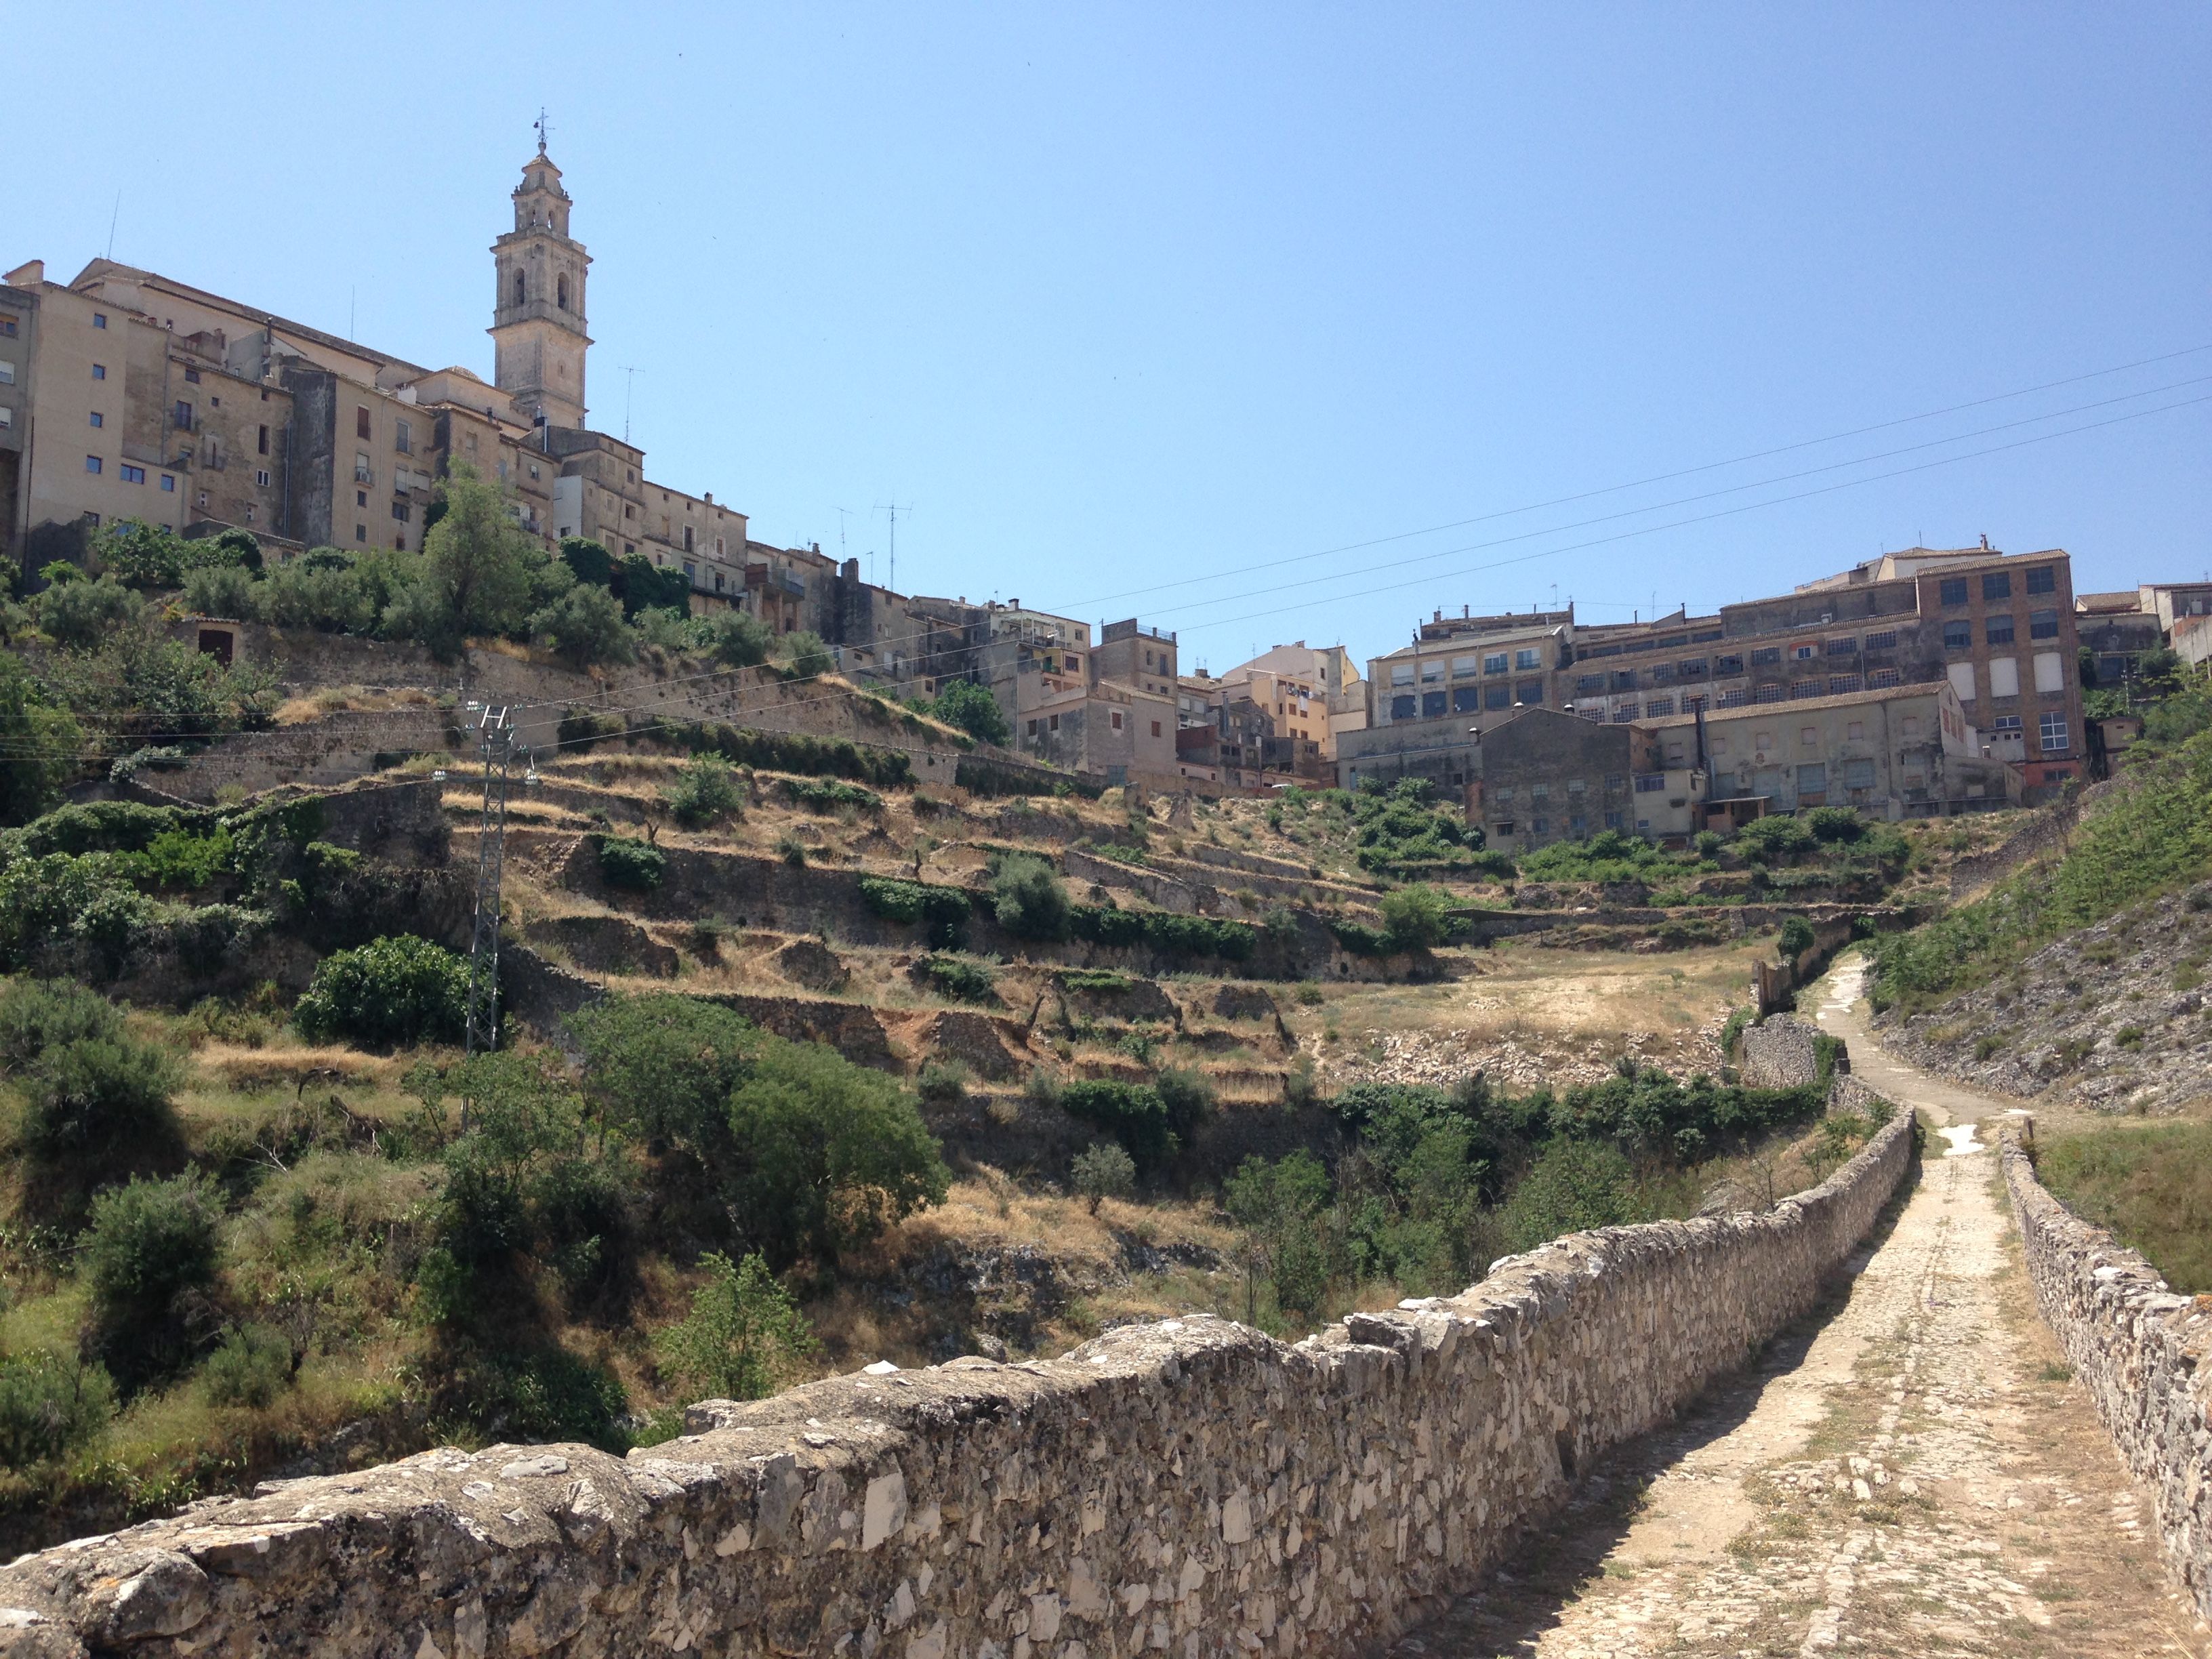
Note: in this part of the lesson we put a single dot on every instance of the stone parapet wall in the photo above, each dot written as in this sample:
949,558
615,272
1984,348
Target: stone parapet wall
1189,1486
2138,1349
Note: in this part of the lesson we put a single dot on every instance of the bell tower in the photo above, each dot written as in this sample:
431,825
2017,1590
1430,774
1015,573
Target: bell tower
538,311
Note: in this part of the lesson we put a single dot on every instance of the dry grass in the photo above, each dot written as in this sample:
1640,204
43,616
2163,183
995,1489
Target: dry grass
342,699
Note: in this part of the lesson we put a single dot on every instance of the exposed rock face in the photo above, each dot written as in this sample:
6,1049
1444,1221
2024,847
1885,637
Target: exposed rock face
604,945
811,962
1189,1485
2138,1349
2116,1018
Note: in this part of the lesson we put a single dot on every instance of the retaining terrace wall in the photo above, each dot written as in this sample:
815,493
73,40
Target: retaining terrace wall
1189,1485
2140,1352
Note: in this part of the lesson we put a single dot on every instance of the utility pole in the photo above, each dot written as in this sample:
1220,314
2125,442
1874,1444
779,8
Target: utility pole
892,581
495,740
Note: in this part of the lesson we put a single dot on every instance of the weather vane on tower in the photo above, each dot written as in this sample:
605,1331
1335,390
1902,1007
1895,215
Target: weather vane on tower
544,131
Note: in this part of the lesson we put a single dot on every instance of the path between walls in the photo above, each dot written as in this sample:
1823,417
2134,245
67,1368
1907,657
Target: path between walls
1910,1473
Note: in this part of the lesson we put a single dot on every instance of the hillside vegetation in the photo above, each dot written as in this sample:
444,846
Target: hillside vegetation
2151,1184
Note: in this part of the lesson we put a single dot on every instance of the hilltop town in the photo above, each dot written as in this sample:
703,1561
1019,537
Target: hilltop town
574,1080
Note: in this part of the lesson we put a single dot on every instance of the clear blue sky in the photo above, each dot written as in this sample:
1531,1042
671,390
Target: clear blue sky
1116,296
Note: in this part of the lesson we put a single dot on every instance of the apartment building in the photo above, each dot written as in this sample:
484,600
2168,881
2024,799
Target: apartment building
124,393
1328,697
1470,664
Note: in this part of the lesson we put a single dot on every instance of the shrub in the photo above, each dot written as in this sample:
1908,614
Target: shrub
178,859
584,625
1102,1171
665,629
1162,931
141,554
588,561
804,654
36,1015
1187,1098
1028,897
744,1336
322,590
791,850
634,865
943,1082
1276,1205
151,1246
1133,1113
739,641
1773,840
219,590
1797,938
705,792
1574,1184
394,992
827,1153
40,744
961,981
975,711
644,586
97,1095
915,901
233,549
1416,917
79,615
1834,823
50,1405
251,1366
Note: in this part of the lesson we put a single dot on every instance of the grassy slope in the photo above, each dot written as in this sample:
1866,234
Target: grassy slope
2151,1185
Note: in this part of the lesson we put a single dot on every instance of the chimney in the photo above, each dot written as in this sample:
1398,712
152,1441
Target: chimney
1985,542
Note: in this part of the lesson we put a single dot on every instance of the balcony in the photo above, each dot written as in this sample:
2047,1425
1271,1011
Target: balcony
364,475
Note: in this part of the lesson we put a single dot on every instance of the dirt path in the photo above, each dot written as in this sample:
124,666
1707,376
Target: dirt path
1912,1473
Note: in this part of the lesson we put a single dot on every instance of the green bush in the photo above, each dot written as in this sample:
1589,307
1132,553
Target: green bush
1028,897
1170,934
97,1095
644,586
220,590
804,655
961,981
740,640
588,561
1574,1185
41,746
1133,1113
51,1406
232,550
828,794
1774,840
706,790
178,859
149,1251
585,626
142,555
744,1337
1277,1205
634,865
79,615
37,1015
975,711
910,902
1797,938
395,992
251,1366
1835,823
827,1153
1416,917
943,1082
1102,1171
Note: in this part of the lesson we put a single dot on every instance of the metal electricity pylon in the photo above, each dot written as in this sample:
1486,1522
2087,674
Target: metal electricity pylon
496,739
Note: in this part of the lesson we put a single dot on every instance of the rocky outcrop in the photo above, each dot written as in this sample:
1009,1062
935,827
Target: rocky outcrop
1189,1485
2115,1017
2139,1351
1784,1052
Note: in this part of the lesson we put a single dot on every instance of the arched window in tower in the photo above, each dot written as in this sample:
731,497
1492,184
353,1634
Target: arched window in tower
561,290
518,292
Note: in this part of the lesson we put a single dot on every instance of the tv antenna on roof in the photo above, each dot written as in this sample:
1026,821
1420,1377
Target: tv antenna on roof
894,509
629,387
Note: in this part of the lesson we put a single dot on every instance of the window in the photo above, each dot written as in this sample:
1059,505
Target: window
181,416
1463,667
1842,684
2043,624
1855,732
1052,722
1765,655
1728,666
1841,647
1433,704
1650,783
361,421
2049,672
98,419
7,325
2043,578
1962,680
1577,785
1809,736
1958,636
1401,673
1770,692
1886,641
1613,820
1498,696
92,463
1858,774
1033,728
1527,659
2051,729
1530,692
1881,676
1401,709
560,291
399,512
1432,668
2006,726
1156,728
1540,792
133,474
1997,630
1539,826
1663,673
360,533
360,498
1813,778
99,371
1997,584
1504,796
1117,720
1624,680
1586,683
1624,713
261,440
1466,698
192,377
402,437
1659,707
1953,590
168,484
1803,652
261,477
6,373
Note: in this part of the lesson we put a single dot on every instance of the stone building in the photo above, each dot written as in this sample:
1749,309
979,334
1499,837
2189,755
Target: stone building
1545,776
124,393
1318,688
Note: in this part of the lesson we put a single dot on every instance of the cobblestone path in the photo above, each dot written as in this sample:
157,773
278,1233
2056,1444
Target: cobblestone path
1913,1472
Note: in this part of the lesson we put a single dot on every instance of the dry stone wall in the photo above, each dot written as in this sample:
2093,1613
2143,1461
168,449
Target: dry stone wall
2140,1352
1189,1486
1783,1052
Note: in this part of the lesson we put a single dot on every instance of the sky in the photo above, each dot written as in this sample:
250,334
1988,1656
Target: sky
1257,322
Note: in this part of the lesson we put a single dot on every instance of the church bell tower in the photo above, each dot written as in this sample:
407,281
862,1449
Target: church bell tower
538,315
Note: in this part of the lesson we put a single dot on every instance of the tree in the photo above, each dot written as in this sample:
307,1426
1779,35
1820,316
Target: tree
477,578
744,1335
1028,897
1104,1171
584,624
739,641
219,590
829,1153
662,1066
233,549
1797,938
40,744
149,1251
79,615
1416,917
644,586
806,655
588,562
705,792
972,708
391,992
141,554
1276,1204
